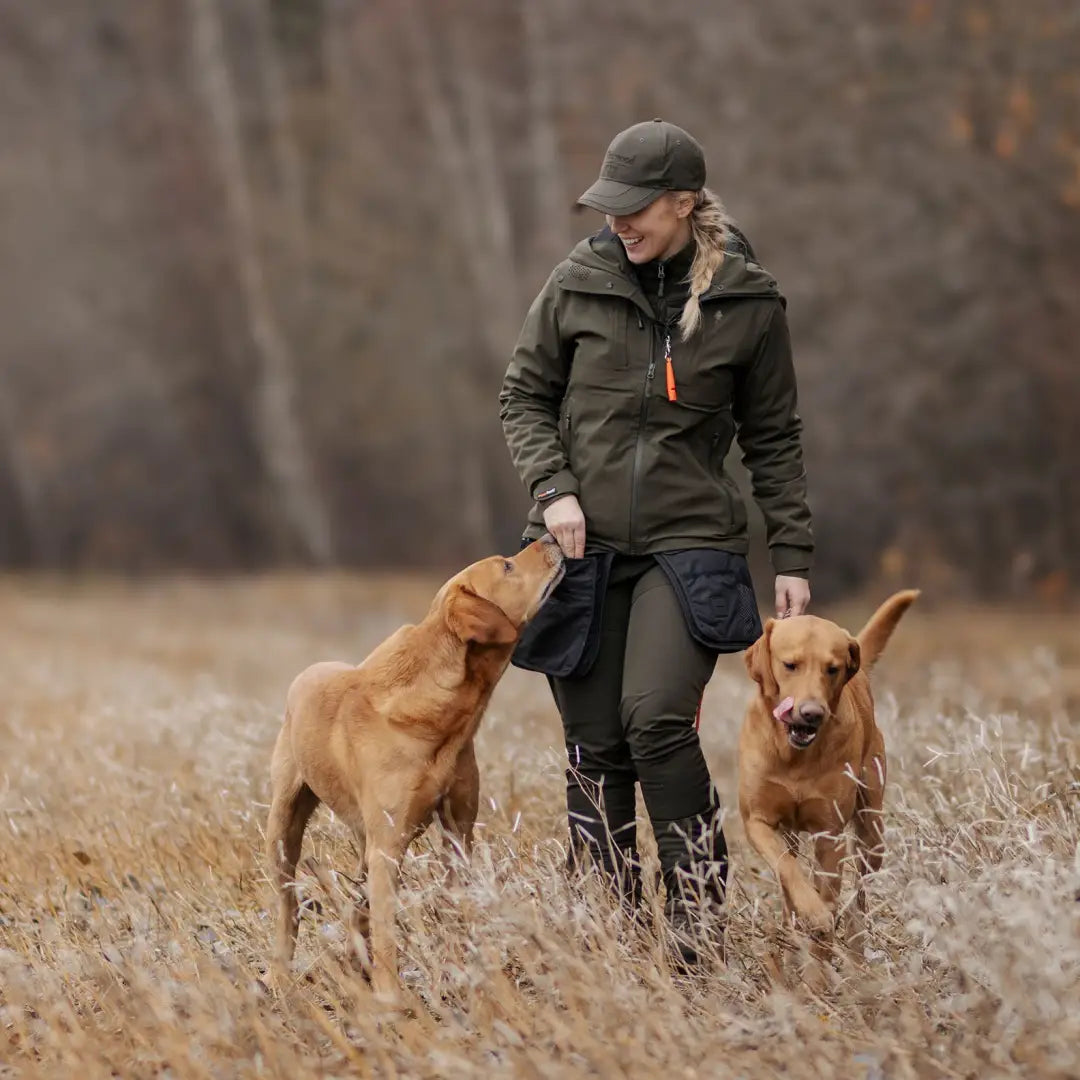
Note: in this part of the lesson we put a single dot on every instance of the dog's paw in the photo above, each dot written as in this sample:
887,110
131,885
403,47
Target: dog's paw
816,917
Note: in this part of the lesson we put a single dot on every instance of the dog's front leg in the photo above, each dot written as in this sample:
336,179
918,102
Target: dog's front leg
360,912
869,844
810,909
291,807
384,868
829,851
791,839
458,808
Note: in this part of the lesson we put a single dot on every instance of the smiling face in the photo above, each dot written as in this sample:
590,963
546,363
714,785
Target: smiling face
659,231
801,665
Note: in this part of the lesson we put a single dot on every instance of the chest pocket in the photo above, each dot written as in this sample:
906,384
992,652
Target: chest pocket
701,382
600,326
704,366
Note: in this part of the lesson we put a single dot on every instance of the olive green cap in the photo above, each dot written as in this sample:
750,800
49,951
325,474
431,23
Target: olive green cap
641,163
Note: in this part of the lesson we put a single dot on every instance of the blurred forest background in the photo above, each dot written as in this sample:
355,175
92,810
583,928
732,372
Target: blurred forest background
262,264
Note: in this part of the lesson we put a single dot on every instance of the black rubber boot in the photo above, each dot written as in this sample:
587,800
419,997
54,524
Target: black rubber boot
603,833
693,866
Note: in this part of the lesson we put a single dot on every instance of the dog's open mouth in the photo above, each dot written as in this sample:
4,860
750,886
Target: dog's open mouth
801,735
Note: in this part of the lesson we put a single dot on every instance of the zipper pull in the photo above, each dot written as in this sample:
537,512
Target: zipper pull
669,370
660,276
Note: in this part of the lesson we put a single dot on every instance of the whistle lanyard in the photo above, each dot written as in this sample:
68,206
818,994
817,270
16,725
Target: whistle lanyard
669,370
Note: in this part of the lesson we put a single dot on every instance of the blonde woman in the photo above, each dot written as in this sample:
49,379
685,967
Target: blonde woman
652,346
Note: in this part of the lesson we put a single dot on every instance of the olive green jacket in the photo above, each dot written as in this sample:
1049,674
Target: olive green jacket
586,411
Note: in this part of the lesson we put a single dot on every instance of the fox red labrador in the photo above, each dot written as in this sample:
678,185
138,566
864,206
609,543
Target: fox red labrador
388,744
812,759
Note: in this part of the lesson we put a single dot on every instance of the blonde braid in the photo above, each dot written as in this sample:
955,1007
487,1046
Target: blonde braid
709,223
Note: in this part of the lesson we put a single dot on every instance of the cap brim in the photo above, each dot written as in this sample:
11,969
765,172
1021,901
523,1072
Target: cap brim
611,197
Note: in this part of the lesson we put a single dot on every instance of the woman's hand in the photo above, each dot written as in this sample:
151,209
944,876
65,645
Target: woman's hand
792,595
566,523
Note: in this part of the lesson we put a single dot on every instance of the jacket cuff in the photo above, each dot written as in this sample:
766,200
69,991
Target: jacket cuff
562,483
791,561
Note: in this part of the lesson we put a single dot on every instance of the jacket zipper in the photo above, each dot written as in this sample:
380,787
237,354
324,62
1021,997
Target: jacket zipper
639,445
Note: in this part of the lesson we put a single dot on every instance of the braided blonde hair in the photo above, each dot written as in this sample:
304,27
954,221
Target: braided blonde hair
709,227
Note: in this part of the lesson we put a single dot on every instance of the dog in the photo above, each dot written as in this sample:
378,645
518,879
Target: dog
388,744
812,759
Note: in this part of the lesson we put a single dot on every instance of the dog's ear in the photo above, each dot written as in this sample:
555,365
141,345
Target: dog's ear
854,657
758,660
473,618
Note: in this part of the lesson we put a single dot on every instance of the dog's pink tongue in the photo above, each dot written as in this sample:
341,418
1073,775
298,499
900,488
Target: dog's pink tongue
785,706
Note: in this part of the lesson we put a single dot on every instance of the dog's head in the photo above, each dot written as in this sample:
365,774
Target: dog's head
801,665
489,602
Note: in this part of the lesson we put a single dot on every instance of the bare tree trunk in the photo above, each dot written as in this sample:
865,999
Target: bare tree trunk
449,148
481,206
550,230
286,155
468,152
336,53
277,426
496,266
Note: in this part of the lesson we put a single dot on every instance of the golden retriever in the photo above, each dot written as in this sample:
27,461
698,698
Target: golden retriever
388,744
811,758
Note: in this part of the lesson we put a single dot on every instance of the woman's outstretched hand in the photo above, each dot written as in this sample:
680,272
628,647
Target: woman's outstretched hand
792,595
566,523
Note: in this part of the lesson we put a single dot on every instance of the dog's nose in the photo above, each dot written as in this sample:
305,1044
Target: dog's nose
811,713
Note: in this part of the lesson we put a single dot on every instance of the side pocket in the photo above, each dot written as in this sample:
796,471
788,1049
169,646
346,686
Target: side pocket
620,331
565,421
722,438
716,594
564,637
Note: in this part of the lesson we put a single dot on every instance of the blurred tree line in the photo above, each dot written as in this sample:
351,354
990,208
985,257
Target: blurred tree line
263,263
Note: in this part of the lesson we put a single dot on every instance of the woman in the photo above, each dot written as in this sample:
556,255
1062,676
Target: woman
654,344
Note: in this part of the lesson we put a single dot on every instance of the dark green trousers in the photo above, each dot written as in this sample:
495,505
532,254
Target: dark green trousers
633,720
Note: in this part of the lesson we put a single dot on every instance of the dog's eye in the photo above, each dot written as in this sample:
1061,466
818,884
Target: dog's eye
790,665
508,566
832,669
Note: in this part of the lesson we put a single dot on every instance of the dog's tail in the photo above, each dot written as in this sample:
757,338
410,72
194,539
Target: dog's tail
874,636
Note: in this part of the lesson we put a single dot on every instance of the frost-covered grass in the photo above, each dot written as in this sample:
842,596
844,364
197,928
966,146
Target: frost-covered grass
136,724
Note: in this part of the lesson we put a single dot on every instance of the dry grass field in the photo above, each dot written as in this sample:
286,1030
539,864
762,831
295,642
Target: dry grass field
136,723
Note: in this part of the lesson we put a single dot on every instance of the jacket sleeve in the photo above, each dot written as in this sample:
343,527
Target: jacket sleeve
769,430
531,399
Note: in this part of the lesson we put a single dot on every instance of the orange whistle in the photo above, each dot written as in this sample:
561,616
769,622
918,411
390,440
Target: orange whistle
669,371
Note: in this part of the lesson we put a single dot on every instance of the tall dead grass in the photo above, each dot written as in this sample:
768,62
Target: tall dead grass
135,731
